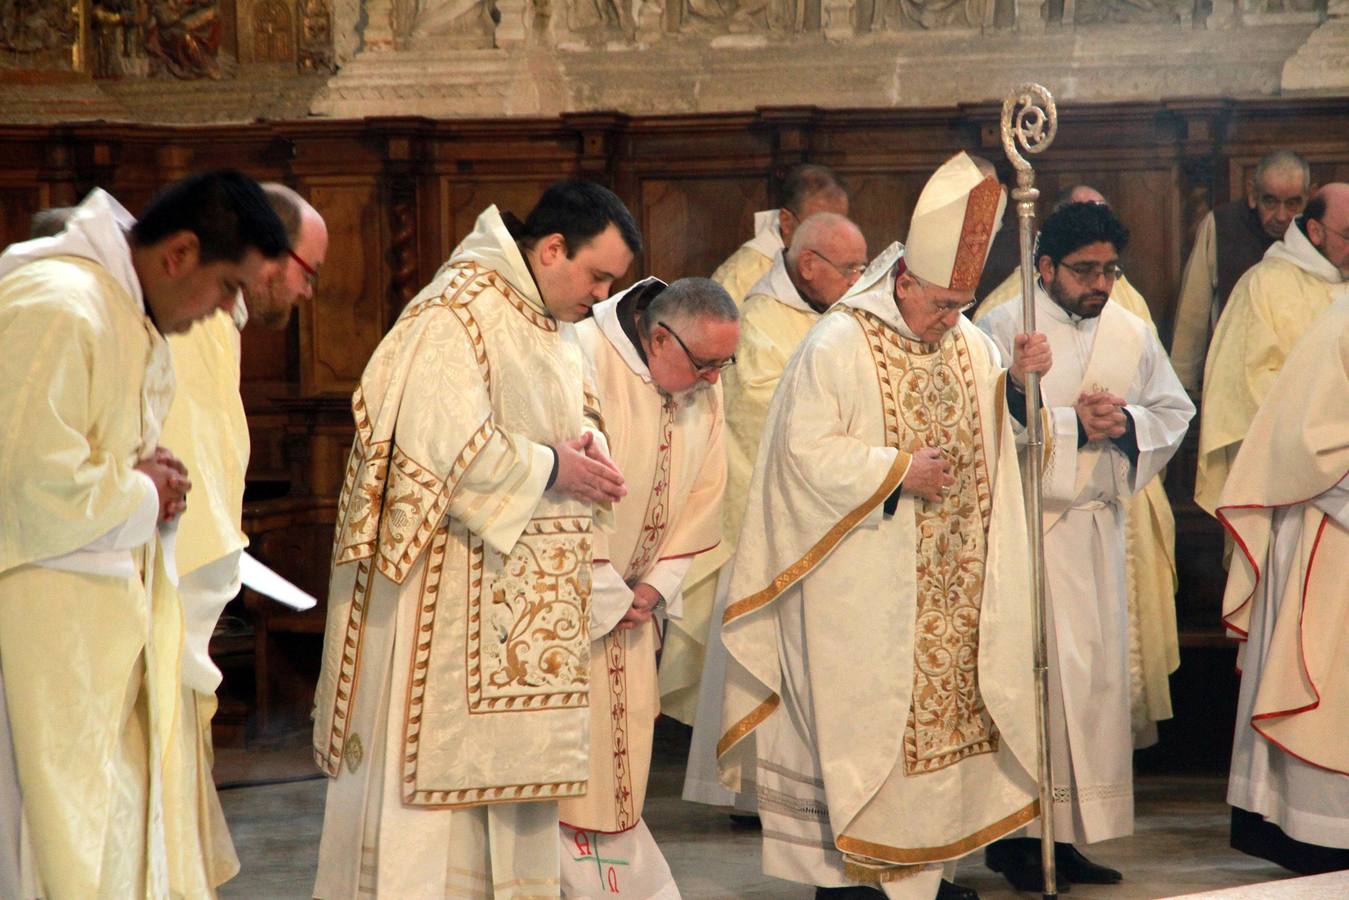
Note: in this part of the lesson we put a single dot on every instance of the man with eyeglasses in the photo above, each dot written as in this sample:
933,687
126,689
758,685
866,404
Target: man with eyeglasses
1272,306
827,255
808,189
1150,574
659,351
1119,413
1230,239
878,623
208,429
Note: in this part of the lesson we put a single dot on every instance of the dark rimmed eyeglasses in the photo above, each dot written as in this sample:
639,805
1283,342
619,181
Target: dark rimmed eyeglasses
309,271
702,368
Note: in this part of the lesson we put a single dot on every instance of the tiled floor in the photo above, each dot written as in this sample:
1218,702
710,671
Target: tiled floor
1180,846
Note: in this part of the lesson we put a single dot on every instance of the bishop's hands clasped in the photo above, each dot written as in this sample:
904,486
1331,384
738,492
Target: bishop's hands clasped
585,472
929,474
171,482
1030,354
1102,415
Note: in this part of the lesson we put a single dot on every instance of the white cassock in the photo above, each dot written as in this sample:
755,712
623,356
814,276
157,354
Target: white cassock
1085,489
1286,503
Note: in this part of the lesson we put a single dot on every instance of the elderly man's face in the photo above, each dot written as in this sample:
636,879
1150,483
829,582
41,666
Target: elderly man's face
687,353
929,311
1331,234
1278,198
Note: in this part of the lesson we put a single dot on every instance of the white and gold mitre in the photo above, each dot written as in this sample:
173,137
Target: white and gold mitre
953,224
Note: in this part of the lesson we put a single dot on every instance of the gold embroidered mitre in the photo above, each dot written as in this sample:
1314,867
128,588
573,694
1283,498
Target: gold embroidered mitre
953,223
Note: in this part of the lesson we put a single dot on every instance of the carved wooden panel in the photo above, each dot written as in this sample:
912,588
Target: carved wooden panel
692,224
343,324
465,201
17,205
882,204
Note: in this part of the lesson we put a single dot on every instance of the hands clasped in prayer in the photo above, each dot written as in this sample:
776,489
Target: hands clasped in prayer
1101,414
585,472
171,482
645,599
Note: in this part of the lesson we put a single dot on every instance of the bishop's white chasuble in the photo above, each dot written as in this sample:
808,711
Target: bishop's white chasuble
1085,490
451,711
883,663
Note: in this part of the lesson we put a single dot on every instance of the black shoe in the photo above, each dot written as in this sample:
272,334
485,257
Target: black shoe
1018,859
851,892
949,890
1076,867
746,820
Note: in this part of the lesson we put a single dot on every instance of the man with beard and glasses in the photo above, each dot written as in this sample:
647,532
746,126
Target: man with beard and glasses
1118,414
658,351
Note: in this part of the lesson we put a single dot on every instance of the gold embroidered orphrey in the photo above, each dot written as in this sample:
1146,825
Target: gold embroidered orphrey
930,399
654,523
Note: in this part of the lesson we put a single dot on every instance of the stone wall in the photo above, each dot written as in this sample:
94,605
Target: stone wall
194,61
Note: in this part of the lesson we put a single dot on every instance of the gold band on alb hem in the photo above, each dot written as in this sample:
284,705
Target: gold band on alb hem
869,872
921,855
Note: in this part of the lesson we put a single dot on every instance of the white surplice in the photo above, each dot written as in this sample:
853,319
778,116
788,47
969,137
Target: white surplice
1085,488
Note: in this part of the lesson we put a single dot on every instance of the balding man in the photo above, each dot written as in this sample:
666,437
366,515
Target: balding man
1150,568
808,189
827,255
207,428
1271,308
1230,239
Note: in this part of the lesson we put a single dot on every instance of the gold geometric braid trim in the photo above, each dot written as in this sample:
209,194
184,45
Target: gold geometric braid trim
922,855
747,724
799,569
864,872
506,793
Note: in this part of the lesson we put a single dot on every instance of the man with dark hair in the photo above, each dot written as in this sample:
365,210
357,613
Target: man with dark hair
658,352
807,189
1271,308
1150,566
1118,414
1230,239
451,709
90,631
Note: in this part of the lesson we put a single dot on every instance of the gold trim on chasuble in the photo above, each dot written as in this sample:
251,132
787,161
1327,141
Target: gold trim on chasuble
794,573
930,399
391,505
921,855
654,523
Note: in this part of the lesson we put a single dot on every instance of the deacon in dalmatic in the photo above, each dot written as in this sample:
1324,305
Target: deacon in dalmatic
658,352
1271,308
1149,538
879,624
807,190
451,713
1119,414
827,255
1287,505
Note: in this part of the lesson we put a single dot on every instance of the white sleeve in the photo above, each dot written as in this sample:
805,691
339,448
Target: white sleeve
610,599
667,577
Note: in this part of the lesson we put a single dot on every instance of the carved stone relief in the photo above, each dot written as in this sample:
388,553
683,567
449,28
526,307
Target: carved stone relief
1134,12
747,16
182,38
910,15
454,23
273,38
38,32
315,45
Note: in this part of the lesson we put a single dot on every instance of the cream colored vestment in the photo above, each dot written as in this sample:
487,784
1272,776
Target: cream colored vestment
1085,494
881,673
1286,503
671,453
774,320
451,711
752,259
1149,558
89,627
1270,309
